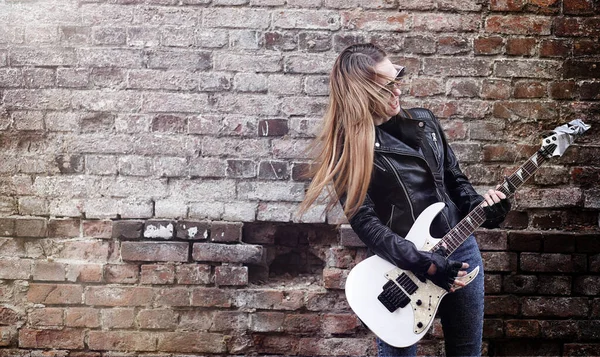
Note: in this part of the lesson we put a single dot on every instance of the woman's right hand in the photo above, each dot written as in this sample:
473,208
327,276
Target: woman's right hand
444,272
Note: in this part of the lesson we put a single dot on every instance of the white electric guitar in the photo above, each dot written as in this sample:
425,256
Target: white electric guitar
397,306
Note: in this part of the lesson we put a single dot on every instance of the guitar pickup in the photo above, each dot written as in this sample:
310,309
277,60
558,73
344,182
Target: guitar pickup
393,297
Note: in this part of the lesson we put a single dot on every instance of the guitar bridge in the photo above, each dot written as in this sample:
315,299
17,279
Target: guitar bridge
393,297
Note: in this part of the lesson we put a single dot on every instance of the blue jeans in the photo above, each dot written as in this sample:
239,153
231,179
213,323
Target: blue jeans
461,312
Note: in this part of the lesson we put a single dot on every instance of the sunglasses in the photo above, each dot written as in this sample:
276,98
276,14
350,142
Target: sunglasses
396,82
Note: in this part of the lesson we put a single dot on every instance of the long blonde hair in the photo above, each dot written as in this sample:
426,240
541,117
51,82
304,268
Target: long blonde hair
344,147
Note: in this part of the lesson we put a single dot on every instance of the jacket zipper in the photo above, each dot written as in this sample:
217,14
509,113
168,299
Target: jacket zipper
439,195
412,211
389,222
435,148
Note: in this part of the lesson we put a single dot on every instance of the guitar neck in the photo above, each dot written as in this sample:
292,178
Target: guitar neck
457,235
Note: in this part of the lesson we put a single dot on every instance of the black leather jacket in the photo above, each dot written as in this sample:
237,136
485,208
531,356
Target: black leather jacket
413,168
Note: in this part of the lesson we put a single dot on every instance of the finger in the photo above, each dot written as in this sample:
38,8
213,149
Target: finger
488,200
465,266
501,195
459,283
494,196
461,273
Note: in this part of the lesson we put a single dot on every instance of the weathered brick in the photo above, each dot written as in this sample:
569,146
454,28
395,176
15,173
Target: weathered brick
82,317
15,269
48,271
227,275
84,273
121,341
340,323
157,274
67,338
118,318
554,48
273,170
191,342
457,67
587,285
155,251
266,321
241,168
527,69
51,316
226,232
211,297
173,296
530,89
555,307
269,299
333,346
581,69
31,227
502,305
157,319
522,328
446,22
193,274
500,261
55,294
539,262
121,273
228,253
119,296
127,229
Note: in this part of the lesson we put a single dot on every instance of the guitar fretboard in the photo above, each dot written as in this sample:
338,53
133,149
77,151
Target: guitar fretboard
457,235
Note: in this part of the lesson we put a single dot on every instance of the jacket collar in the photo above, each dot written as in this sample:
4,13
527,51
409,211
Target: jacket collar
410,135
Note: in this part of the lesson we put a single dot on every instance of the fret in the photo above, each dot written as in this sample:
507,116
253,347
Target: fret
476,217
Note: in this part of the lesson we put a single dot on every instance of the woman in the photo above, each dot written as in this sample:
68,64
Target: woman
388,164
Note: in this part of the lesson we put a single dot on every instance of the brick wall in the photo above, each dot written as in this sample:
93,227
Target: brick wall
152,153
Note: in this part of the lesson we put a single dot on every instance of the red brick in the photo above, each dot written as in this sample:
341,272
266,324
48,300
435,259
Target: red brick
488,45
522,110
127,229
578,7
338,257
587,285
50,316
506,153
518,25
424,87
82,317
158,274
273,344
495,89
521,46
521,284
453,45
64,228
97,229
576,27
211,297
581,69
9,316
557,329
460,67
334,278
118,318
269,299
48,271
529,89
191,342
67,338
581,349
55,294
560,263
121,341
555,48
563,90
226,275
522,328
174,296
267,321
85,273
228,253
554,284
302,323
555,307
230,320
193,274
525,241
507,5
155,251
340,323
157,319
375,21
493,283
273,127
493,328
7,227
226,232
121,273
119,296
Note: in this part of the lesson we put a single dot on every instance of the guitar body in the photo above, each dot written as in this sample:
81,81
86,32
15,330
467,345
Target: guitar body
407,325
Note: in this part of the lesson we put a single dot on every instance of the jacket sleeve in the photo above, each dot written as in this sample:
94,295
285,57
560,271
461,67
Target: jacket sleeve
385,243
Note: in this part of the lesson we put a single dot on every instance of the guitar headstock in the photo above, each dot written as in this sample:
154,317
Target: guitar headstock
557,142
